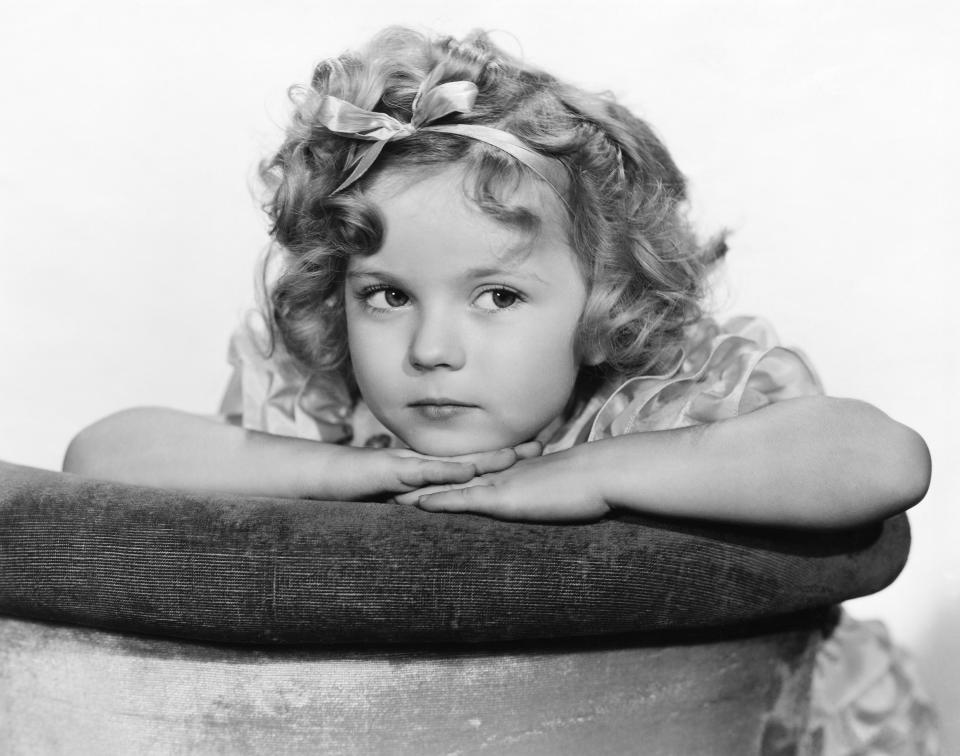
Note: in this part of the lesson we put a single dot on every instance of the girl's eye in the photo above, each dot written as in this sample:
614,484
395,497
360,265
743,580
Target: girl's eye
497,299
385,298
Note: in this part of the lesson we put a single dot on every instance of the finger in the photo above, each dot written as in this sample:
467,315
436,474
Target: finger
529,449
488,461
501,459
481,498
415,473
411,497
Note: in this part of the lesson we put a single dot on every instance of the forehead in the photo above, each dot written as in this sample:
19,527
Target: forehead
438,211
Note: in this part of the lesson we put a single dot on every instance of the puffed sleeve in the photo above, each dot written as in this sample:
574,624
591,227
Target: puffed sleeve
269,392
725,371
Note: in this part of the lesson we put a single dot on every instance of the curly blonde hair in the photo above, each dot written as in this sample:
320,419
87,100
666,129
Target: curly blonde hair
626,199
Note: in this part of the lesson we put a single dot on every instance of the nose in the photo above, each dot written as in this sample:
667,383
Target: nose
437,342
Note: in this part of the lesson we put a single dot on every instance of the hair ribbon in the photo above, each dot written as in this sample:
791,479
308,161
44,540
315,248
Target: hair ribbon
346,119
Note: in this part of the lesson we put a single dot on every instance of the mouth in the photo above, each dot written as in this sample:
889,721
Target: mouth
440,401
441,408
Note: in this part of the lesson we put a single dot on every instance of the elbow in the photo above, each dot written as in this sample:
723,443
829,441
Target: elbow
90,452
894,464
911,466
82,452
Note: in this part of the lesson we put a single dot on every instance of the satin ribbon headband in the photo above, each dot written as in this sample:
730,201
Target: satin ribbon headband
346,119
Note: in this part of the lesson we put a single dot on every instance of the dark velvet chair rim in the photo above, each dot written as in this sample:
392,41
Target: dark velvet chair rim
218,567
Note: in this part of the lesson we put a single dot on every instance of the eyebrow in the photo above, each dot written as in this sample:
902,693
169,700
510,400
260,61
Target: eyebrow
369,273
471,273
492,272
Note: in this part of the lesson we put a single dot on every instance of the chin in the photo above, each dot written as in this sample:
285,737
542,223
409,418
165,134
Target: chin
439,444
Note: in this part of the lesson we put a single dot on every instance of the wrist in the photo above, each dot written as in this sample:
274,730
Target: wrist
330,471
294,467
629,471
594,464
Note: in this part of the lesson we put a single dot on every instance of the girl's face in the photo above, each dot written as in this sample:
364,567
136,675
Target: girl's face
461,329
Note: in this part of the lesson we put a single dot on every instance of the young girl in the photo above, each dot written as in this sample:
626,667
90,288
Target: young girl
487,298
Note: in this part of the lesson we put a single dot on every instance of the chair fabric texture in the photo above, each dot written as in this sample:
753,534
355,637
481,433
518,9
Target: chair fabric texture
224,568
69,690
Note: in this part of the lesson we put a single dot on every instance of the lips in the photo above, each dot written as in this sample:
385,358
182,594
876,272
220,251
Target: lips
441,408
440,402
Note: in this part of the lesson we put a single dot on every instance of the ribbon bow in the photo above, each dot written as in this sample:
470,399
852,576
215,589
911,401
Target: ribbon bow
345,118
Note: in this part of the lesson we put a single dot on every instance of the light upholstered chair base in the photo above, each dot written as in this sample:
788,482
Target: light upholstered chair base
74,690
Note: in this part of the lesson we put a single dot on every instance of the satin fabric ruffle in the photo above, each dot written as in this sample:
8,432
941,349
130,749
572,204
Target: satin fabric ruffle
867,698
270,392
724,371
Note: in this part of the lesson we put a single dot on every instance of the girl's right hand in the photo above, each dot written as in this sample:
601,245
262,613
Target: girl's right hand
361,474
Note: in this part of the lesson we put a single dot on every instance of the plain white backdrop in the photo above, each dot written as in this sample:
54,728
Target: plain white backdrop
822,134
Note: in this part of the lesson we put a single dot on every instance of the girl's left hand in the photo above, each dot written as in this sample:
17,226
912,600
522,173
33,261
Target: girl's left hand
554,487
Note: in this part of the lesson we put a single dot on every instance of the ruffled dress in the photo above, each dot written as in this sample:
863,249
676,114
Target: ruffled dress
866,697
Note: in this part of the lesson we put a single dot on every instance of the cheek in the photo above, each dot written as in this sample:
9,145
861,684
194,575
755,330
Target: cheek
555,342
538,370
370,355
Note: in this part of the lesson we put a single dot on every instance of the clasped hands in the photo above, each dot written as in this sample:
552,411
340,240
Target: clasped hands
518,483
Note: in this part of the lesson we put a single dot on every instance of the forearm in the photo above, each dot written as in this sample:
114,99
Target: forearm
813,462
173,449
